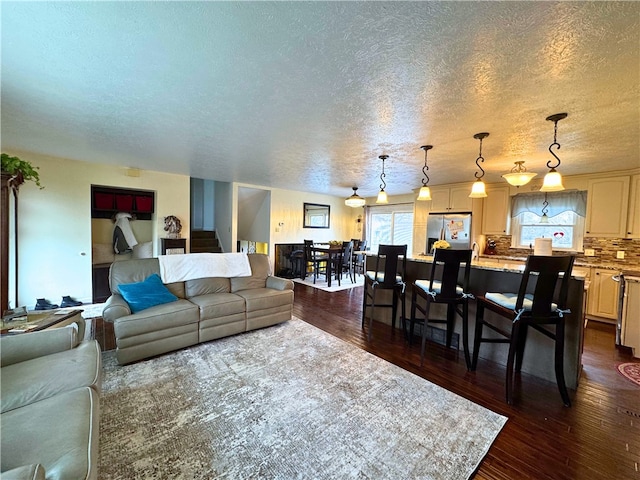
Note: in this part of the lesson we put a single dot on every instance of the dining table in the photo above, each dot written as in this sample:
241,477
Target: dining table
333,253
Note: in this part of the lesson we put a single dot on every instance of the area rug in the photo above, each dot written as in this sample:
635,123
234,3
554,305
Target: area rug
630,371
284,402
321,283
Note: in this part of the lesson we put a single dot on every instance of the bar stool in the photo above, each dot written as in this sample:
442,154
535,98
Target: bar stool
388,275
546,306
443,287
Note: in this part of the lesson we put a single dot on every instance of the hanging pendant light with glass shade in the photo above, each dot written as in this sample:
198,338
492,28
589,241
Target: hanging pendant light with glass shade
518,175
478,190
553,179
382,195
545,209
355,200
425,191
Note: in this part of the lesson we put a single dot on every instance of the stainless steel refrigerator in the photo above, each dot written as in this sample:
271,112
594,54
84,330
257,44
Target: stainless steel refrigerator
455,228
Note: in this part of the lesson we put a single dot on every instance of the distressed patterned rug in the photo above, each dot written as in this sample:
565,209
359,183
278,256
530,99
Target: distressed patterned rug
284,402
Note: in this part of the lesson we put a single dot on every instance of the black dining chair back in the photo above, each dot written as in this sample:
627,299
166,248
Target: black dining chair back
548,280
390,268
317,262
448,283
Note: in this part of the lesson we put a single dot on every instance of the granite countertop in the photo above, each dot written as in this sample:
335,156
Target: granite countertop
630,269
502,264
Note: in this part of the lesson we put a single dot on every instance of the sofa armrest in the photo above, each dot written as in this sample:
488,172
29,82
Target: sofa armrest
26,472
278,283
19,348
114,308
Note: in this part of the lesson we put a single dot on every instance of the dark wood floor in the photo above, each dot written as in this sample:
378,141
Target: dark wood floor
597,438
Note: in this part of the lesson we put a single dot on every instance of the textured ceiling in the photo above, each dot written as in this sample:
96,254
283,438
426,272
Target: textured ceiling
306,95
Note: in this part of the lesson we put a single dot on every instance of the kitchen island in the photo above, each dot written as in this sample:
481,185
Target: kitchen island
497,275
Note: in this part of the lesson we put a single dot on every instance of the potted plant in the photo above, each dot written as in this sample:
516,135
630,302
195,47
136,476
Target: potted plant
19,171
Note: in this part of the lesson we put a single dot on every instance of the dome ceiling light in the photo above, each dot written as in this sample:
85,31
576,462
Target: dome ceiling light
518,176
355,200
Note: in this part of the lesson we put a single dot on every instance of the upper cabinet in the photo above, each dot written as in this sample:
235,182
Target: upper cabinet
495,210
107,201
633,218
607,207
451,199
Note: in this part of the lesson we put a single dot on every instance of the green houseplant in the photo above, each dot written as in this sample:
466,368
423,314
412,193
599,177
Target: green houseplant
20,170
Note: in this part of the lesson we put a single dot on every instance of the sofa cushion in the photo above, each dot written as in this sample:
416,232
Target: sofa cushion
219,305
205,286
264,298
43,377
60,433
131,271
160,317
260,270
146,294
26,472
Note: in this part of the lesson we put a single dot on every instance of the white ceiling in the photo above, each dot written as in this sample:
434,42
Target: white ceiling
306,95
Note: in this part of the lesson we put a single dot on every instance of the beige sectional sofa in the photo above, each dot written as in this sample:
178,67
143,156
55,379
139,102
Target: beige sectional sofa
50,405
205,309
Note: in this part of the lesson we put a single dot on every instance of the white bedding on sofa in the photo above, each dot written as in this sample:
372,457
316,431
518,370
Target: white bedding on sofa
189,266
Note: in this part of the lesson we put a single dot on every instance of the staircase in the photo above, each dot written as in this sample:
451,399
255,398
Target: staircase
203,241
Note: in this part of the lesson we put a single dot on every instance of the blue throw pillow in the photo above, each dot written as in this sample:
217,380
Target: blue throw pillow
146,294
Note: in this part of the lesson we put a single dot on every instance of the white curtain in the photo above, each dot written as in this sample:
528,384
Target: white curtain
574,201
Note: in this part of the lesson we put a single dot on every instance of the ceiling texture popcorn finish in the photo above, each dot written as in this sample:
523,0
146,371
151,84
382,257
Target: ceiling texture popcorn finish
322,87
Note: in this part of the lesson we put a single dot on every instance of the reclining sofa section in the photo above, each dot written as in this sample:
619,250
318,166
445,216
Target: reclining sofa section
206,309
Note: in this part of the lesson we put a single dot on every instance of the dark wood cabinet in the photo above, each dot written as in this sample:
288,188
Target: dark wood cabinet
107,201
101,290
173,245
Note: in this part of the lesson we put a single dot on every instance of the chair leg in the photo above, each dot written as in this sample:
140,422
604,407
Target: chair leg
364,303
403,312
451,322
465,333
478,334
373,306
522,340
412,320
394,310
513,348
424,331
559,364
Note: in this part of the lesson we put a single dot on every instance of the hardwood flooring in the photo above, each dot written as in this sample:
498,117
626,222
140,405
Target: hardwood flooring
597,438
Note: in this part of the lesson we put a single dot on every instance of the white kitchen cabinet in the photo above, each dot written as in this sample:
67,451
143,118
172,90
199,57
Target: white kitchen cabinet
633,218
603,294
607,207
451,199
495,211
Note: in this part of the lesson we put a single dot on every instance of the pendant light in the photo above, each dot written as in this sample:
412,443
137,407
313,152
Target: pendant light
518,175
478,190
545,209
382,195
355,200
553,180
425,191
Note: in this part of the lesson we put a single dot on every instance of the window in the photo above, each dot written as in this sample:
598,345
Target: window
565,226
390,225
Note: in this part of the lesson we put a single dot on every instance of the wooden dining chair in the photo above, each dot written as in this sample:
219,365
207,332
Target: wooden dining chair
314,260
447,284
390,267
548,279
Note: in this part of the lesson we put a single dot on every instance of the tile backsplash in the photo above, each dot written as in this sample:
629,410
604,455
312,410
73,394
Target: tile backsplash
605,250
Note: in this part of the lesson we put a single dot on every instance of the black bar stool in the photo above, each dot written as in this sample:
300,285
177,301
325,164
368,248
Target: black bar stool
443,287
546,306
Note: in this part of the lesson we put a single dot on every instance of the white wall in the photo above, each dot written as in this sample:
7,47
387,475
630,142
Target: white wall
55,223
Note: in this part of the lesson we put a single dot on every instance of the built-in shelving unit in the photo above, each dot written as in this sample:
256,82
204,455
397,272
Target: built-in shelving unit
107,201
